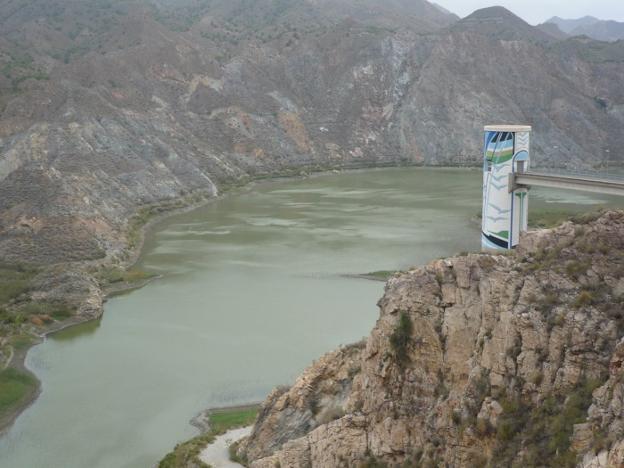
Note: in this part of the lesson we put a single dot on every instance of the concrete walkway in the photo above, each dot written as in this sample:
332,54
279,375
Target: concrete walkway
217,455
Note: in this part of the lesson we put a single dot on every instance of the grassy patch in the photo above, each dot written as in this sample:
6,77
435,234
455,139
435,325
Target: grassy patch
547,218
540,218
382,275
15,387
21,342
221,421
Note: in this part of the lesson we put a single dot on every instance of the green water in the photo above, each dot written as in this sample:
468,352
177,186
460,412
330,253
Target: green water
254,288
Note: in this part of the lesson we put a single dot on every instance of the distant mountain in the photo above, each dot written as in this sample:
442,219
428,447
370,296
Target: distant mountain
444,10
602,30
390,13
109,106
569,25
499,23
553,30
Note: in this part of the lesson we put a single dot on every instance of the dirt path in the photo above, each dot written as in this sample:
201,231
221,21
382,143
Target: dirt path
217,454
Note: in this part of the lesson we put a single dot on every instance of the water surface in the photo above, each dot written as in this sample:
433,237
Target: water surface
253,290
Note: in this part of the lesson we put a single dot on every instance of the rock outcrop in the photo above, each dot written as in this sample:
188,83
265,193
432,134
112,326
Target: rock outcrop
477,360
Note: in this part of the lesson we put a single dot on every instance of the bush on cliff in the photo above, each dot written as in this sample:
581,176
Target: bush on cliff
400,338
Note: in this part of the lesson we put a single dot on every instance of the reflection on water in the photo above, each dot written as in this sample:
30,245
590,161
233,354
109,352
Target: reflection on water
253,290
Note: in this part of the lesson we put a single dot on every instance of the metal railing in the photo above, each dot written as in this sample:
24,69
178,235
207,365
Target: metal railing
615,174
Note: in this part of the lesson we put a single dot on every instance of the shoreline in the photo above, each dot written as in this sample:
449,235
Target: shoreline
219,421
18,360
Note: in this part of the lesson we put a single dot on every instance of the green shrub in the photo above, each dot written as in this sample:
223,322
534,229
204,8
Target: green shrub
514,351
512,420
575,268
602,440
401,337
233,452
441,390
484,427
554,320
586,218
537,378
382,275
583,299
61,313
542,432
372,462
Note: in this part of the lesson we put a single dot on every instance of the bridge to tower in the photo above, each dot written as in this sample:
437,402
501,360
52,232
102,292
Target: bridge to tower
507,178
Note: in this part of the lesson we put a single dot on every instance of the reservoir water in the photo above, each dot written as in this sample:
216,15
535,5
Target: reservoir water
254,287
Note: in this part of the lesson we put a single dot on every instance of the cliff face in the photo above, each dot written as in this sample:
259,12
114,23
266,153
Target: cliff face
475,360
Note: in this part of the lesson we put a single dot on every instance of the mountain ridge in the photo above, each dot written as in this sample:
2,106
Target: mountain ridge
139,104
602,30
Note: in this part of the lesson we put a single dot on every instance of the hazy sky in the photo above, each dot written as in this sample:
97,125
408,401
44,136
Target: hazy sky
537,11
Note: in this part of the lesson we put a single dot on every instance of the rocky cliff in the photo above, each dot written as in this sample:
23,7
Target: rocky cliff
477,360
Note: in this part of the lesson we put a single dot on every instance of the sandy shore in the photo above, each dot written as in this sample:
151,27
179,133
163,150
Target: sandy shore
217,454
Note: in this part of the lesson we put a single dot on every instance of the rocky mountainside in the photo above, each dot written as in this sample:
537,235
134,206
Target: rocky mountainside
478,360
595,28
107,107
